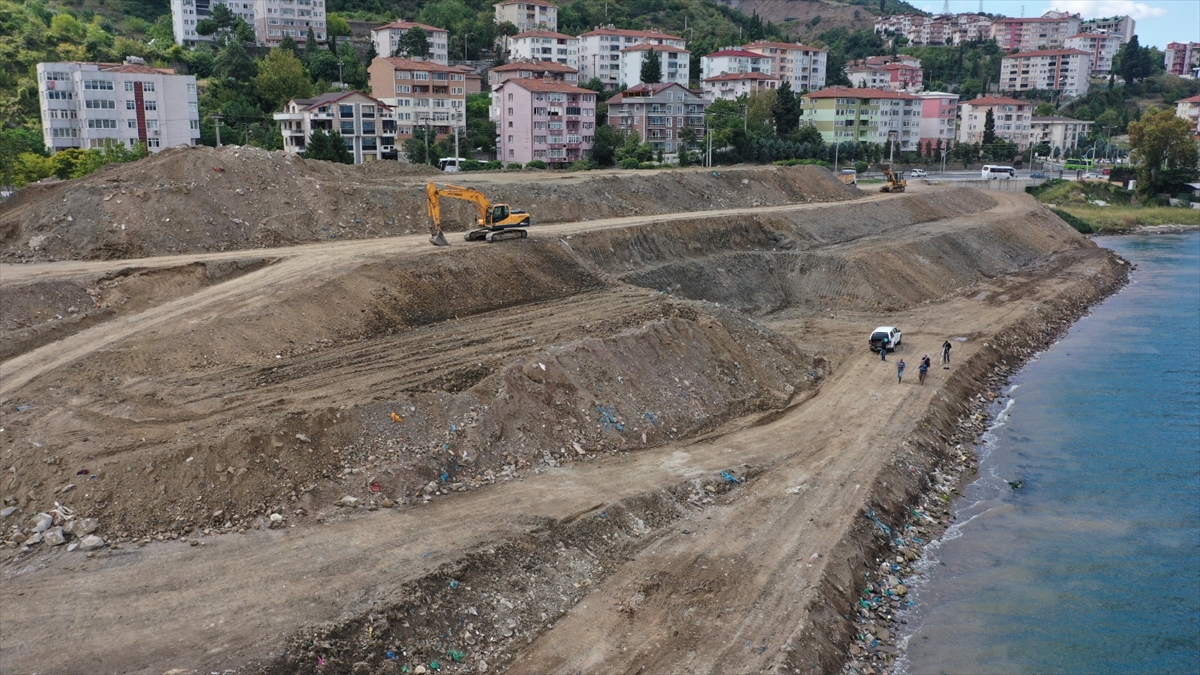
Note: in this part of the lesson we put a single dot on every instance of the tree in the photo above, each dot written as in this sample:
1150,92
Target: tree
336,25
1163,151
808,134
233,63
414,42
1134,61
323,67
310,44
1044,110
328,146
605,146
786,110
220,19
687,139
288,44
281,77
651,68
989,128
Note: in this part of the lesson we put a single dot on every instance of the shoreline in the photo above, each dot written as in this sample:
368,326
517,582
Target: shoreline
910,504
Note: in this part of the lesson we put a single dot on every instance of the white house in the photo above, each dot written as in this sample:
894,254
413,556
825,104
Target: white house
674,62
386,38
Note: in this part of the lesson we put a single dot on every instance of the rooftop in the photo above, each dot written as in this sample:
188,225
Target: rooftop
996,100
410,64
535,66
782,45
849,92
540,85
537,32
623,32
405,25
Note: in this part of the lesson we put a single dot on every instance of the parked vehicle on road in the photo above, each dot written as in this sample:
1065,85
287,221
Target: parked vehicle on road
996,171
918,173
890,334
1037,174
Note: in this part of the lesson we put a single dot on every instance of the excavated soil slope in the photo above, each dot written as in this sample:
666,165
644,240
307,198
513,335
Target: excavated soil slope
188,200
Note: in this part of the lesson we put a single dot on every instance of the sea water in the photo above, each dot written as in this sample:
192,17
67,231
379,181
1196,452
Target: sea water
1077,549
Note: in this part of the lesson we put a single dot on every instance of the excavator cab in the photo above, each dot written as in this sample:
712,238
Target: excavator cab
499,214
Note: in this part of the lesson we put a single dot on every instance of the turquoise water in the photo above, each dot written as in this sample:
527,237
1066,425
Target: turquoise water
1093,565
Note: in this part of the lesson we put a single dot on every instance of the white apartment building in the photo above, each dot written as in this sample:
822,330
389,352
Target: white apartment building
387,37
802,67
674,63
367,125
1049,31
942,29
1063,133
527,15
600,51
1013,120
1189,109
1063,70
730,86
1123,27
270,19
733,60
1102,47
89,105
422,93
544,45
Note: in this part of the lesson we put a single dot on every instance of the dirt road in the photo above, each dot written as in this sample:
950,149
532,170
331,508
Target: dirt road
731,580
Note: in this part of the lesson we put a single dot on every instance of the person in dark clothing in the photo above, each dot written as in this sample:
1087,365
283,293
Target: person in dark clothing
900,372
946,353
923,369
883,349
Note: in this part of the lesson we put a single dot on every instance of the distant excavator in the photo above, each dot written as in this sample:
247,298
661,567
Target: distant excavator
496,222
895,182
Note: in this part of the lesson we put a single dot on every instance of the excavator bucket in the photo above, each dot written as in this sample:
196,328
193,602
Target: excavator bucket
438,239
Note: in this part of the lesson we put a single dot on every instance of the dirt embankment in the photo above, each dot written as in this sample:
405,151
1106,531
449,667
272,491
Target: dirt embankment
191,200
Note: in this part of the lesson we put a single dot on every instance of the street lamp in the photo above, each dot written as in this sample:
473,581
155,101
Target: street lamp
217,120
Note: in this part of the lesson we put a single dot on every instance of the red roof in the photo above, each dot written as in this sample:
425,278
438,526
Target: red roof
725,77
651,89
405,25
1029,20
735,52
1045,52
535,66
847,92
1095,35
645,47
543,3
995,100
544,33
782,45
409,64
537,84
333,97
1194,99
631,33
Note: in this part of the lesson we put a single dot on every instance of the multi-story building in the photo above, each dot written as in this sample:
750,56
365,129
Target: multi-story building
730,86
845,115
554,122
901,74
386,39
733,60
1183,59
272,20
800,66
1121,26
658,112
90,105
674,63
528,15
422,94
367,125
1049,31
939,120
544,45
1012,120
600,51
1102,48
1189,109
1063,133
1062,70
543,70
943,29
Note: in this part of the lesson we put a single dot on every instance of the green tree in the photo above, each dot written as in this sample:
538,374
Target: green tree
786,110
329,146
323,67
310,44
289,45
808,134
1044,110
989,128
353,73
336,25
219,19
281,77
687,140
64,161
1133,61
651,68
605,146
1163,151
233,63
414,42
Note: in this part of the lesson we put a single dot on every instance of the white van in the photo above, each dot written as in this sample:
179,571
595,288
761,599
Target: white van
998,172
451,164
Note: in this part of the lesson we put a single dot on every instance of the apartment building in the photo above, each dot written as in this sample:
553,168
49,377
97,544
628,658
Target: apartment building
367,125
1123,27
674,63
542,70
1102,48
272,20
1189,109
658,112
899,75
855,115
528,15
600,51
1013,120
939,120
1050,31
386,39
942,29
732,60
186,13
1183,59
544,45
1062,70
89,105
729,86
545,120
421,93
800,66
1063,133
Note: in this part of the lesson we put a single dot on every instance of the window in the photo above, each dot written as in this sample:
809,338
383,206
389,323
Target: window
194,125
346,111
131,105
58,76
102,124
150,105
98,85
59,96
368,128
153,143
100,104
348,128
148,86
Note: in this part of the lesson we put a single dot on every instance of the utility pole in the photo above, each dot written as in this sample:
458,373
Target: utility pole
456,155
217,119
465,36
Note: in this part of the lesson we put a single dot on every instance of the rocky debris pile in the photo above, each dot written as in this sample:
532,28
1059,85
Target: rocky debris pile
57,527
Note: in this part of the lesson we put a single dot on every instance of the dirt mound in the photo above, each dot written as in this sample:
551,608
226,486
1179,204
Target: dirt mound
189,200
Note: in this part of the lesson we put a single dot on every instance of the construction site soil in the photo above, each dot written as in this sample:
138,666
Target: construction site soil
641,440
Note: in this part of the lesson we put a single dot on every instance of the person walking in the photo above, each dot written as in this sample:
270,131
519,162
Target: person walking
923,369
883,350
900,371
946,353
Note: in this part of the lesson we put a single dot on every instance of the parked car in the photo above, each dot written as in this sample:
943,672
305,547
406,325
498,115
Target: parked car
918,173
1089,176
1037,174
890,333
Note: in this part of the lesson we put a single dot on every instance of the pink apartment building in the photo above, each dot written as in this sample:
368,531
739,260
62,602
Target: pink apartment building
554,122
939,115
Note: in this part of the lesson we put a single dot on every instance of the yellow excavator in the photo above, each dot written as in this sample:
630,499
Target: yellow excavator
895,182
496,222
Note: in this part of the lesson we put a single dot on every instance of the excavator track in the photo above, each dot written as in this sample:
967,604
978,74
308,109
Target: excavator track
504,235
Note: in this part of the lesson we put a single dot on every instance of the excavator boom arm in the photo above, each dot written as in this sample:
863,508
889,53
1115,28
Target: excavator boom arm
435,193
